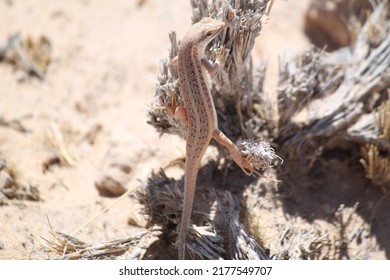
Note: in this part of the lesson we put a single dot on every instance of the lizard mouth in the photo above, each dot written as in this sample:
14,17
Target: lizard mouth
219,27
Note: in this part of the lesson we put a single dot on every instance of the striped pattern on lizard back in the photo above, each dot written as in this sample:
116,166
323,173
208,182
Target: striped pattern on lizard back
198,108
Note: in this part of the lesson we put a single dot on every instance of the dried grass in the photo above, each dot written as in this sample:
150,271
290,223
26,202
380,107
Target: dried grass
375,161
13,188
66,247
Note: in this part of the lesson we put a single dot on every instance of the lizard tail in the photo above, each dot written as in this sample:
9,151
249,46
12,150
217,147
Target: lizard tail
191,173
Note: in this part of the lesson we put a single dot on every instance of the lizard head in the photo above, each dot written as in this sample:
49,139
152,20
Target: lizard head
208,28
203,32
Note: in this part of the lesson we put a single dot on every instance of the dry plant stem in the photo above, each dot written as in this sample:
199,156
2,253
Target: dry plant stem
240,244
294,243
205,243
60,146
376,166
69,247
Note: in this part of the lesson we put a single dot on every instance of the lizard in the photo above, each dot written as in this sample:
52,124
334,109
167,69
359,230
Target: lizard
198,111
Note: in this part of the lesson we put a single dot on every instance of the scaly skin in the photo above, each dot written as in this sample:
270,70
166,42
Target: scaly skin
199,111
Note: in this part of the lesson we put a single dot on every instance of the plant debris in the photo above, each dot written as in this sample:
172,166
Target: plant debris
66,247
28,55
12,187
220,235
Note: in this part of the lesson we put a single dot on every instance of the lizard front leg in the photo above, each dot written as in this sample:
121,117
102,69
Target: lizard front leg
214,67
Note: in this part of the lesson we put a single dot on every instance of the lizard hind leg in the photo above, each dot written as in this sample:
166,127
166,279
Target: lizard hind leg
181,114
247,164
242,162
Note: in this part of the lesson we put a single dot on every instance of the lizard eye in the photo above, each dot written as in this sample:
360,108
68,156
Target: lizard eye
208,33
